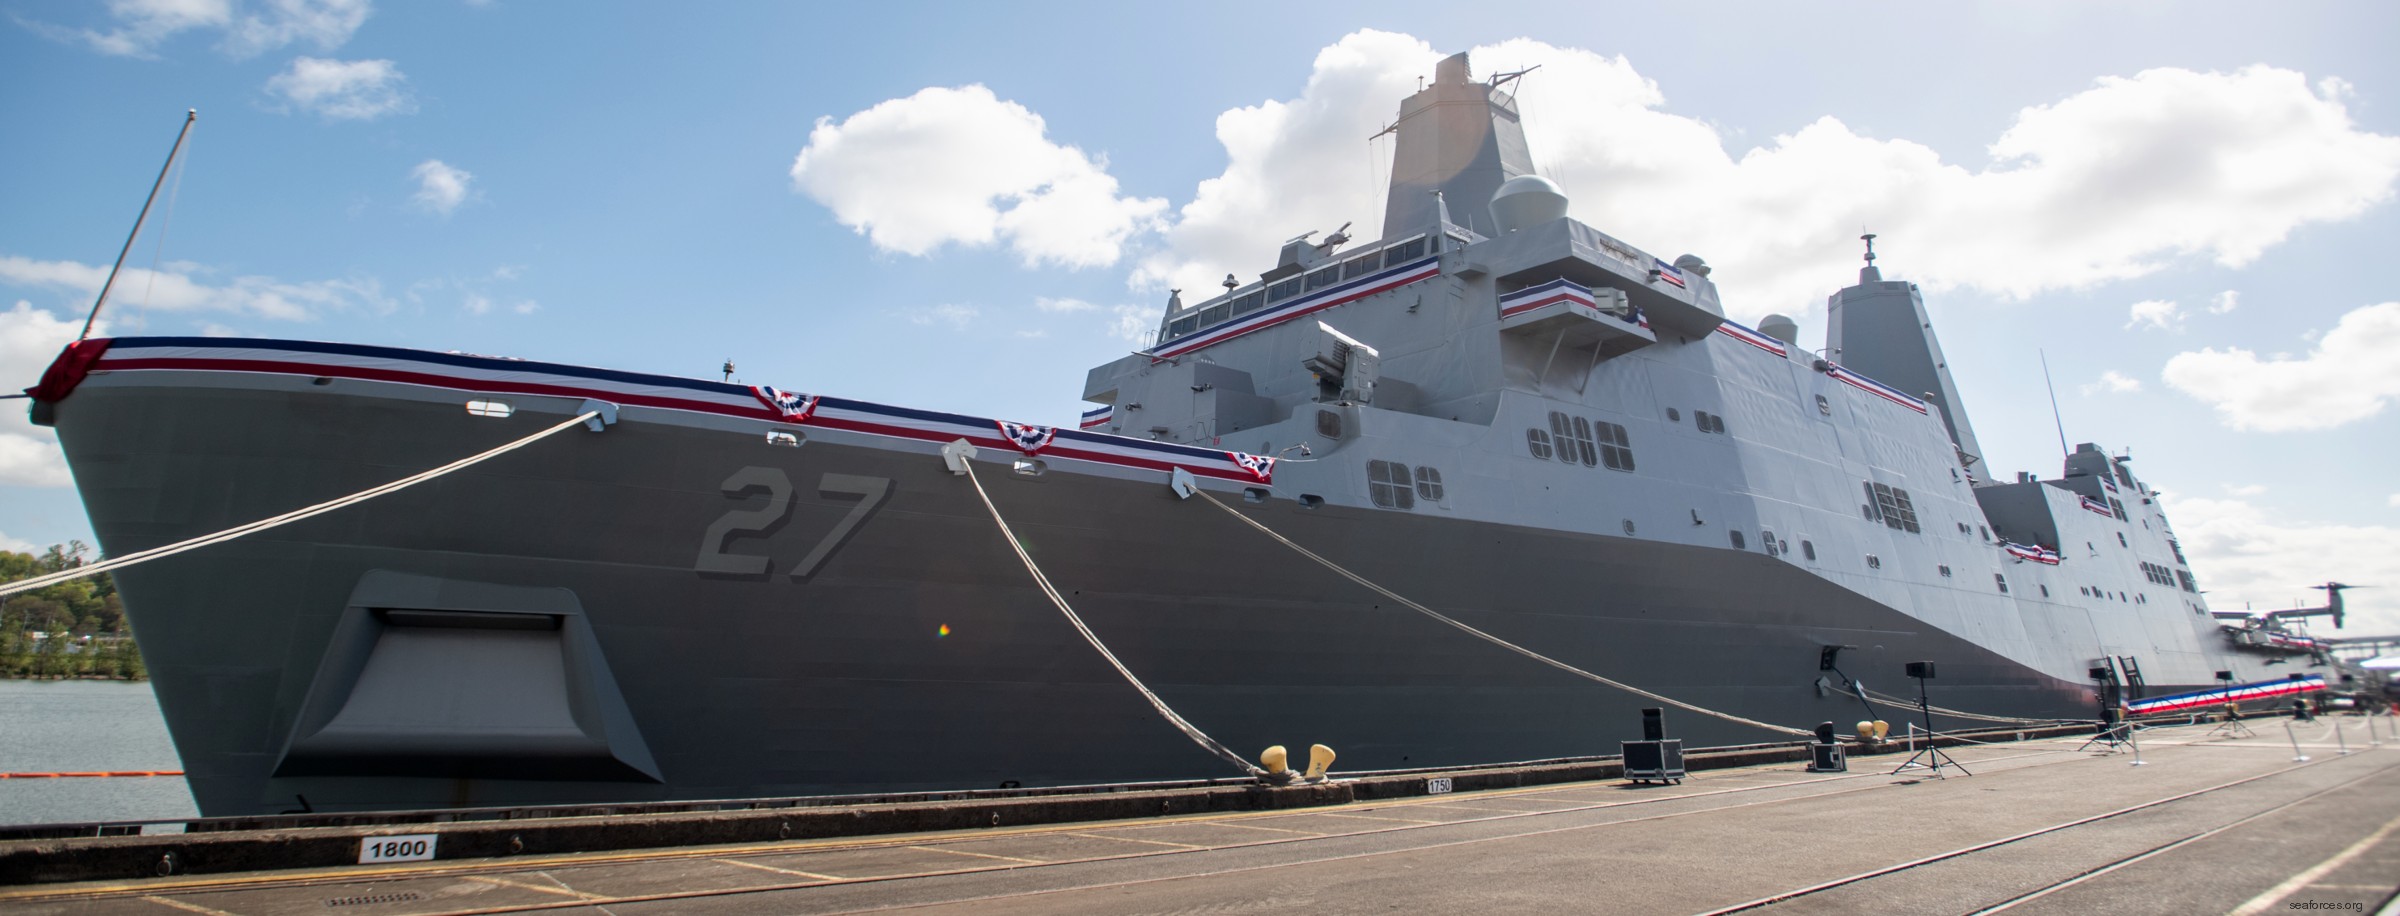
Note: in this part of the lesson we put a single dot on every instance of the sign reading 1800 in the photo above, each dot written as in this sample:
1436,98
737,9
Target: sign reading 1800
412,848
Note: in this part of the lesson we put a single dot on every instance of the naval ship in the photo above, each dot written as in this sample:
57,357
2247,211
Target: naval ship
1499,412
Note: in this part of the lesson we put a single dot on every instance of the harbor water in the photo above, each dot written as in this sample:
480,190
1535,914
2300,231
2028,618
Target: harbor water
82,726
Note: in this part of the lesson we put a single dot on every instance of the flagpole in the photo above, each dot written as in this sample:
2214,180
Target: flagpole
189,116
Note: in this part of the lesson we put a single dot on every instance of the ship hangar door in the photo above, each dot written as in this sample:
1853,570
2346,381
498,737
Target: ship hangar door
432,677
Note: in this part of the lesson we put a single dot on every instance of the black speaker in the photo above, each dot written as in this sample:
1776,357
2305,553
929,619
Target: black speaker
1828,758
2224,675
1647,761
1920,669
1654,724
1824,733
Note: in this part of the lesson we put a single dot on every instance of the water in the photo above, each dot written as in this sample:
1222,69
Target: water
52,726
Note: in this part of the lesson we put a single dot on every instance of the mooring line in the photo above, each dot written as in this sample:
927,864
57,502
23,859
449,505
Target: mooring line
115,563
1495,640
1189,730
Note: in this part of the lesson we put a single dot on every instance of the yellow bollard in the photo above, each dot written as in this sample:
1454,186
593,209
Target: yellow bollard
1882,728
1866,729
1320,757
1273,760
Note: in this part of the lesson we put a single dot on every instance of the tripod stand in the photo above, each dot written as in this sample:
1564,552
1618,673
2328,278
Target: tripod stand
1930,757
2232,727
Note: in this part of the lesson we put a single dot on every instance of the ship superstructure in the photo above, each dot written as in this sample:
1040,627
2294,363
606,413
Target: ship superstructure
731,591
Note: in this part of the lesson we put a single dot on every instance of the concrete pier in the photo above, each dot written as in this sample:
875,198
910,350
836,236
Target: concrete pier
2204,825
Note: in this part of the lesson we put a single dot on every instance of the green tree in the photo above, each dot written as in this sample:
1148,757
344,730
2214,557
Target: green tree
65,613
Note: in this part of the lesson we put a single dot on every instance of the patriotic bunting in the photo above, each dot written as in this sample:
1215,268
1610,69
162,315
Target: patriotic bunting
1092,418
1027,439
2223,695
1753,338
1667,272
2096,506
793,406
1259,466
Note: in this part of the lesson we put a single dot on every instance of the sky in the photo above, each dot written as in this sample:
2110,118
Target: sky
2187,209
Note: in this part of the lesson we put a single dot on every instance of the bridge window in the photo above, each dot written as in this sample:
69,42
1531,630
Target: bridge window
1537,441
1216,313
1429,484
1250,303
1359,267
1403,253
1616,447
1284,290
1390,484
1320,279
1184,325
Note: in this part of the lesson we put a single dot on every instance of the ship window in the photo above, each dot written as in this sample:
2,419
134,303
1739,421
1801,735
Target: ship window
1030,467
1216,313
2121,540
1359,267
1808,549
1254,495
1824,406
2080,590
1874,562
1673,417
495,409
1962,527
1616,447
781,437
1583,442
1629,527
1388,482
1945,572
2173,545
1538,442
1250,303
2117,507
1986,532
1284,290
1766,542
1402,254
2045,589
1429,484
1183,326
1324,278
2185,580
1708,422
1736,536
2002,581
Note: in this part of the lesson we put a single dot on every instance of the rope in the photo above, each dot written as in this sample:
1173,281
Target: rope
1189,730
109,565
1958,714
1494,640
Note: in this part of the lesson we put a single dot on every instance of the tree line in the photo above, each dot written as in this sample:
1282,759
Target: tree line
75,628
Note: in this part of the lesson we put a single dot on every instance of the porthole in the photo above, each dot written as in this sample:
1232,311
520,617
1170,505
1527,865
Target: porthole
1874,562
1029,467
1629,527
494,409
1736,537
1808,549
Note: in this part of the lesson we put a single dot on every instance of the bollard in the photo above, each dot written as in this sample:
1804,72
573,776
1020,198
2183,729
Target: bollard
2338,740
2297,757
2131,739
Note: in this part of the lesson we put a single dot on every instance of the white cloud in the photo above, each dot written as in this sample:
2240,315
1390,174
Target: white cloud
179,288
343,90
1133,324
2159,314
1061,306
441,187
2394,501
140,26
29,339
2224,302
937,167
956,316
2113,382
17,544
2248,489
2246,554
2347,376
2112,182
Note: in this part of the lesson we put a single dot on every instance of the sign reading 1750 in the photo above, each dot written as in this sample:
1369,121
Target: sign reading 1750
717,558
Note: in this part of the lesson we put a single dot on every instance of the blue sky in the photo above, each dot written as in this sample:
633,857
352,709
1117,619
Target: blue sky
991,195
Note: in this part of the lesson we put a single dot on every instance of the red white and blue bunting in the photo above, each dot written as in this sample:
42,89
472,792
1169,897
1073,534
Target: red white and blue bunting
2240,694
1027,438
1100,417
793,406
1259,466
1753,338
1874,387
2094,505
1562,290
1668,272
484,375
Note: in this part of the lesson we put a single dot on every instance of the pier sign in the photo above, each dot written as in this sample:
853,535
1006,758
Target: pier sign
415,847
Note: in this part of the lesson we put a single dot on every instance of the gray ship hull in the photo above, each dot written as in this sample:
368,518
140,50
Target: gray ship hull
726,684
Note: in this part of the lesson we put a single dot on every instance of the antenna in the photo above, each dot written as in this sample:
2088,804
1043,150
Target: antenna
189,116
2054,417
